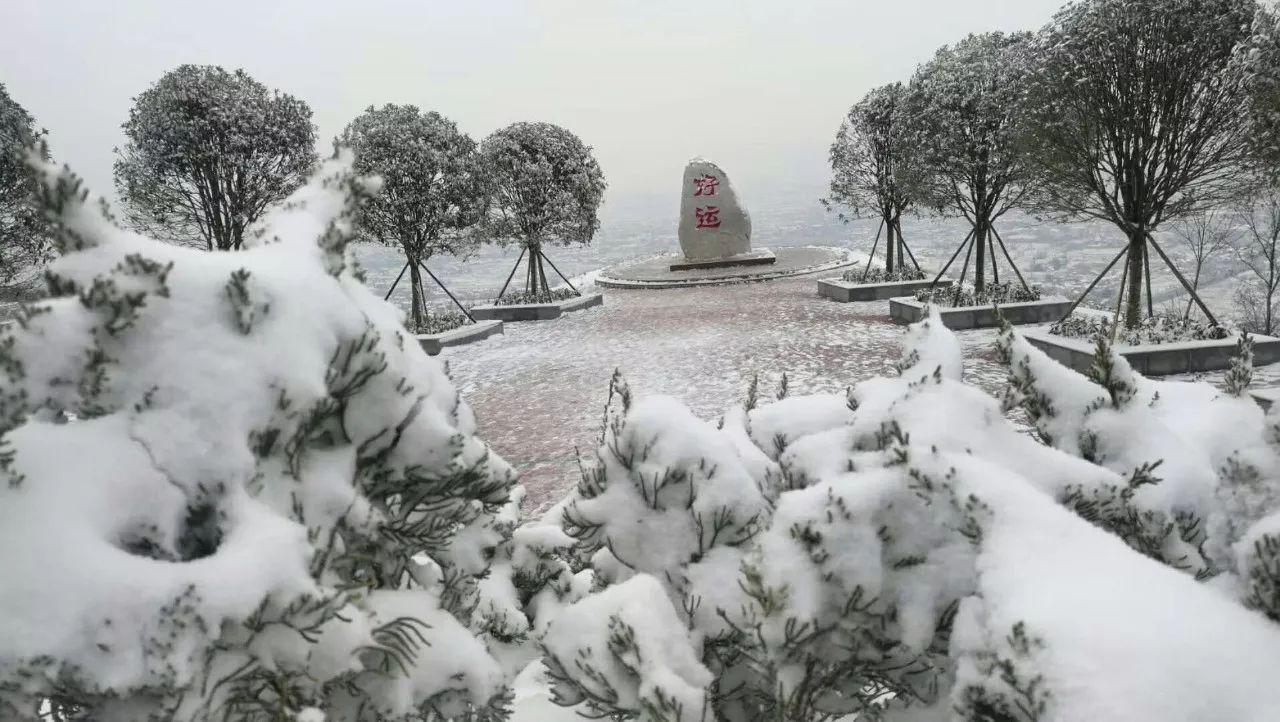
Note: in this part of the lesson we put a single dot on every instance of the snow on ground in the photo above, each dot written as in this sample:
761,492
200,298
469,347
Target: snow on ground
539,389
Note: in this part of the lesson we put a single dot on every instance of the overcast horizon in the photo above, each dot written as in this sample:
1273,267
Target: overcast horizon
759,89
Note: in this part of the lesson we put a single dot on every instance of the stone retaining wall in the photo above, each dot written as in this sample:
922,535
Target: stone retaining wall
1156,359
1046,310
537,311
433,343
849,291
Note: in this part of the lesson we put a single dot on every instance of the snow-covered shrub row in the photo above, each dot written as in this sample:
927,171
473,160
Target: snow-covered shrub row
434,321
1157,329
521,298
905,552
966,295
235,488
877,274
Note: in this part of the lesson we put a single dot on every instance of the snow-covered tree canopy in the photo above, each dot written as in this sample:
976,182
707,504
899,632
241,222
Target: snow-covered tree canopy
905,553
24,241
433,188
547,186
962,108
869,159
208,152
236,489
1135,114
1259,61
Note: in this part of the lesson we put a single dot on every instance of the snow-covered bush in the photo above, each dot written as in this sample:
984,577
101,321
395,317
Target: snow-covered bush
1202,464
434,321
235,488
967,295
520,298
1157,329
877,274
905,552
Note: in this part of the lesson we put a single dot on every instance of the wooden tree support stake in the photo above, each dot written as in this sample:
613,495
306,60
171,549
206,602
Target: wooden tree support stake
1146,265
449,293
1080,299
1181,279
959,248
912,256
965,269
1115,319
396,282
558,273
513,272
874,245
991,246
1009,258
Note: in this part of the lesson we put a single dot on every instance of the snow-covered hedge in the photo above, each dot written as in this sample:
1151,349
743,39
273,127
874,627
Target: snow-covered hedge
877,274
434,321
905,552
1157,329
521,298
967,295
236,488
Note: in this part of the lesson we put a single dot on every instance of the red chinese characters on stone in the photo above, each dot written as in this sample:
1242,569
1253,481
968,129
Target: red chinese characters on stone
708,217
705,185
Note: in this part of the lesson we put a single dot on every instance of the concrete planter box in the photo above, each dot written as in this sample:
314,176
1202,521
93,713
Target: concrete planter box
848,291
537,311
433,343
1267,397
1046,310
1155,359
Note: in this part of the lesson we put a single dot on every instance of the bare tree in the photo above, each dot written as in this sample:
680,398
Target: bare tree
1134,116
1204,235
962,106
1258,248
868,159
208,152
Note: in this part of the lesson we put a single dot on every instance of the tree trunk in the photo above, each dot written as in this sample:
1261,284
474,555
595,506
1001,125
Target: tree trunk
415,286
1137,244
979,267
1195,286
542,273
888,248
902,245
532,281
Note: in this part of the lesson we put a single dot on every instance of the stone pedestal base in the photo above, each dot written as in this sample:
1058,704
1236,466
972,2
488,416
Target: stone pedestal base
761,257
1046,310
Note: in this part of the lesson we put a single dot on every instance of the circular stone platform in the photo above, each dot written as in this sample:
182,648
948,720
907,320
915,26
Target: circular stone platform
655,272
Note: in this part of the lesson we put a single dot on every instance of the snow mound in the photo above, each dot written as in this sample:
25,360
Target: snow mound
228,474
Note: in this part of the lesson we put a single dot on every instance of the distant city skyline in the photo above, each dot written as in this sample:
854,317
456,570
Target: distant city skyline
759,87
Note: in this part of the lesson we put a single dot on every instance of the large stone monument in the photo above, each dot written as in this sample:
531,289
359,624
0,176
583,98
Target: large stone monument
715,230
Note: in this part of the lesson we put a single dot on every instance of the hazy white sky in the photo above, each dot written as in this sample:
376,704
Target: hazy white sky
759,86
